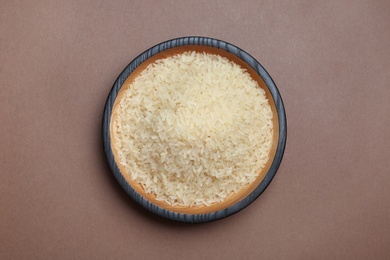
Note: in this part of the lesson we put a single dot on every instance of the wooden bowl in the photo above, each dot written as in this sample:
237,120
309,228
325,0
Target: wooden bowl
235,201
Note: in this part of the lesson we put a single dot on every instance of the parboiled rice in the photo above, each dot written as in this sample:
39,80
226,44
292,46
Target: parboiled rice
193,128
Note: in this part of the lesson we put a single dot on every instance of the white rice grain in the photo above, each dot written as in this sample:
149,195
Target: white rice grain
193,128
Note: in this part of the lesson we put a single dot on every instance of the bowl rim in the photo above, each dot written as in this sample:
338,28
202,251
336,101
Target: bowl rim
205,41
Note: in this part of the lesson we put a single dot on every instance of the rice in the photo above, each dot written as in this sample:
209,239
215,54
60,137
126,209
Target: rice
193,129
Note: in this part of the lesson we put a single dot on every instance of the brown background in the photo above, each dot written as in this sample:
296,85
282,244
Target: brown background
330,61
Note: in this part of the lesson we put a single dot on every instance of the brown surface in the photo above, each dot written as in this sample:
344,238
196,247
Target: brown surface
330,198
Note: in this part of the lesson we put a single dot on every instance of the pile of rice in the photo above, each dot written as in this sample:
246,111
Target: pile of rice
193,128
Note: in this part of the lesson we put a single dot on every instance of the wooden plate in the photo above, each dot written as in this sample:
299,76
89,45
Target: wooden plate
234,202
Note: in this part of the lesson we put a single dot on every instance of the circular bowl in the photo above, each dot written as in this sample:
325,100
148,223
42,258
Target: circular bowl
235,202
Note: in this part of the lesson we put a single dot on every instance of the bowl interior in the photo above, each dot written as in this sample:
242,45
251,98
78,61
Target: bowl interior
232,198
